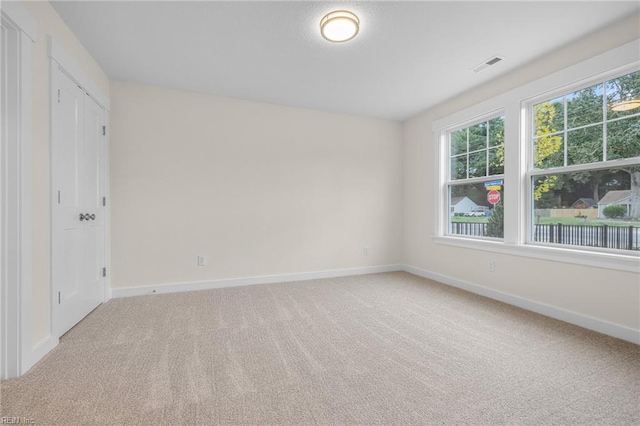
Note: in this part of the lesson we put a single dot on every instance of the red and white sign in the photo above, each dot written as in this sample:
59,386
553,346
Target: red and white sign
493,197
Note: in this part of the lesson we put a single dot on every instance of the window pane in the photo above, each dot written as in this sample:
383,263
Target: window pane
478,164
548,117
496,131
623,88
459,167
591,208
471,214
584,145
478,136
548,151
584,107
496,161
623,138
458,140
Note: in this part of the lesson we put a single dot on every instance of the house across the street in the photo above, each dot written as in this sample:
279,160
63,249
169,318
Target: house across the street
621,197
462,205
585,203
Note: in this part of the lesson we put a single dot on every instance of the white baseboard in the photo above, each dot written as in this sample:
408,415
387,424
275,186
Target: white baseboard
236,282
40,350
601,326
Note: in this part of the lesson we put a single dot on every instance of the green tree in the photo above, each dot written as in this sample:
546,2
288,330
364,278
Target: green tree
584,145
495,224
547,151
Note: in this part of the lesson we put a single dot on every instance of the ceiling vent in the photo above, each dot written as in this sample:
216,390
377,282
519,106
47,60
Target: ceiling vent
489,62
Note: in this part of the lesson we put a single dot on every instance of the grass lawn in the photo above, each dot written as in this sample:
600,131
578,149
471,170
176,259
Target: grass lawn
555,220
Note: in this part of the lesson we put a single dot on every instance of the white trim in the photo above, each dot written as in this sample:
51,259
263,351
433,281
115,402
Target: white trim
43,347
20,335
57,53
25,201
237,282
19,15
585,321
53,84
107,210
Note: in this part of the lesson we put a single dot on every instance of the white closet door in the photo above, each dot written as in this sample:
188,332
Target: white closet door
78,225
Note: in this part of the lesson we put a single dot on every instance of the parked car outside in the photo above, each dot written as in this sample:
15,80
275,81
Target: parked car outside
479,211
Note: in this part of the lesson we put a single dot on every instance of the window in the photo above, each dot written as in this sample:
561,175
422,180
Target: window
585,166
559,157
474,182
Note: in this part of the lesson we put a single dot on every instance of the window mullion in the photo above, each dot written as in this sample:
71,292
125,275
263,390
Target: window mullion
604,121
565,141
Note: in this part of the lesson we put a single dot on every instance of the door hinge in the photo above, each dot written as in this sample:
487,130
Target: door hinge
58,197
58,298
104,272
58,95
104,130
104,201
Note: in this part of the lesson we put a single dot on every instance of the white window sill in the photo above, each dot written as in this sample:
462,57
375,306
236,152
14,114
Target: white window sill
621,262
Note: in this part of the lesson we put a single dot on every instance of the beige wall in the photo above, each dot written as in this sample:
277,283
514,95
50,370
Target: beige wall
49,23
600,293
259,189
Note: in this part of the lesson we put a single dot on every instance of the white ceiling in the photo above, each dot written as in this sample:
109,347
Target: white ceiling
407,57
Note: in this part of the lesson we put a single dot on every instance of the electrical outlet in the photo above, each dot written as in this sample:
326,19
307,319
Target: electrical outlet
491,266
365,251
202,260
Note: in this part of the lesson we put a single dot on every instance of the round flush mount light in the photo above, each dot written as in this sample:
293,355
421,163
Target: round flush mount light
339,26
626,105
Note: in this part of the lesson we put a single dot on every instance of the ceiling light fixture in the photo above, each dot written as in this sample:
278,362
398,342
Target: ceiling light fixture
626,105
339,26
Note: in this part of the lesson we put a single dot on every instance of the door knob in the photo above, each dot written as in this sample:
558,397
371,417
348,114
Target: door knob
82,217
93,217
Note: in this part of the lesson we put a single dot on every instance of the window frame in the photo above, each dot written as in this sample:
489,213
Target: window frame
604,164
515,106
449,181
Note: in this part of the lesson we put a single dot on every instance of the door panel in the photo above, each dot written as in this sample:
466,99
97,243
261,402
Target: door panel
93,121
78,226
69,267
68,142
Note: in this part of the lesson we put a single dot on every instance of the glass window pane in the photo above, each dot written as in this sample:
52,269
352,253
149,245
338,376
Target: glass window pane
459,167
471,214
590,208
548,151
584,145
478,136
458,140
548,117
478,164
623,138
496,161
620,89
496,131
584,106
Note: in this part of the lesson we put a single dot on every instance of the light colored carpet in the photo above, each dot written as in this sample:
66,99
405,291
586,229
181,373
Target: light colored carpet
387,348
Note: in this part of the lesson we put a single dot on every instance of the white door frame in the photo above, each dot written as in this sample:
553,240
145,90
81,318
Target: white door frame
15,336
60,60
